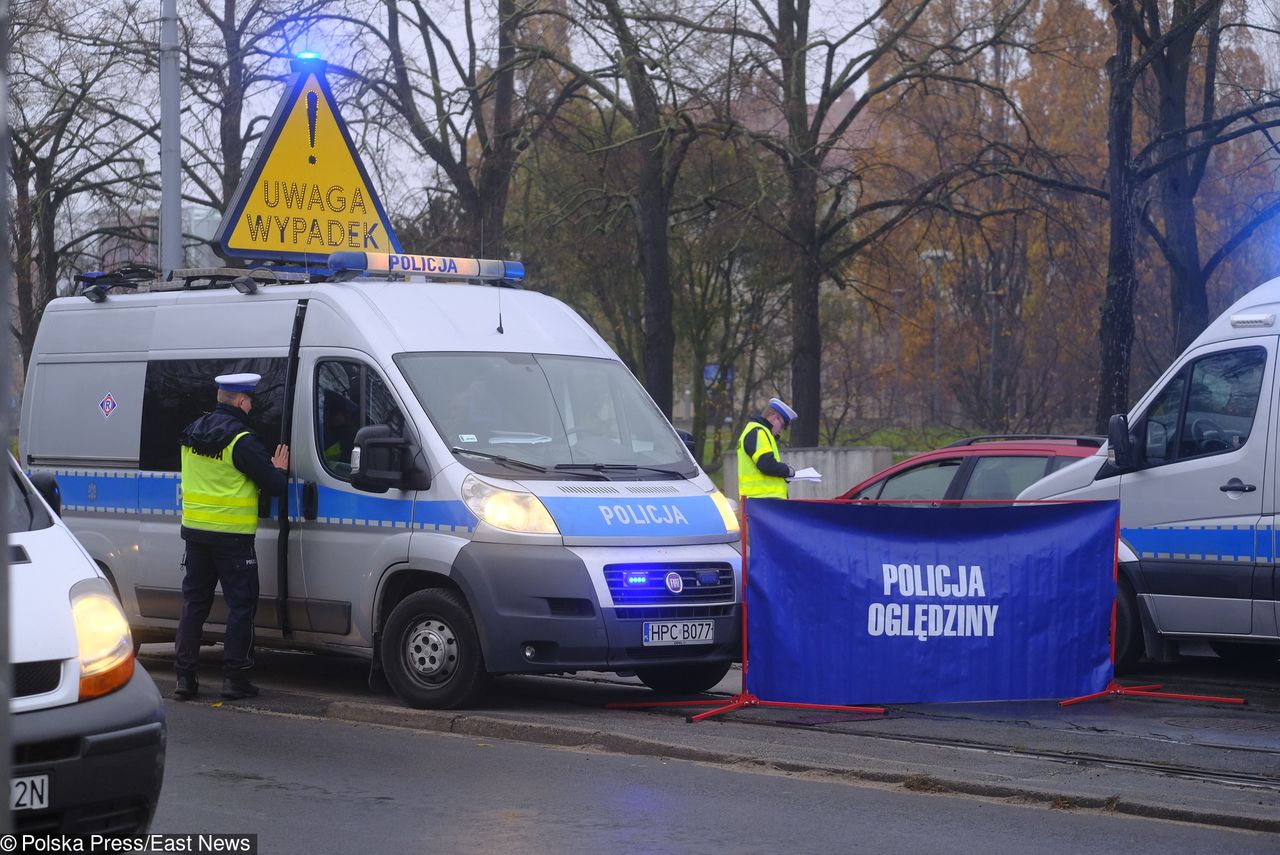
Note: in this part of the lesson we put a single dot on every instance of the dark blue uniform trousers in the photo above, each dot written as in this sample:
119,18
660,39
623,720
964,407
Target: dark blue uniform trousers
235,566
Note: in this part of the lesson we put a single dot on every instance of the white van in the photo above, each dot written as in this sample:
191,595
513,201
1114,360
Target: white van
86,723
479,486
1195,465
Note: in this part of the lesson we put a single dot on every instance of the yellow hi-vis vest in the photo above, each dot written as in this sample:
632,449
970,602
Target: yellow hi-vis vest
216,496
751,481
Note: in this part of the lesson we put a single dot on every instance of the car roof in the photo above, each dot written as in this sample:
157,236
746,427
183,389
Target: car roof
1047,445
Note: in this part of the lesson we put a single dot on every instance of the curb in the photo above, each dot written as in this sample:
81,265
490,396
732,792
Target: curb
469,724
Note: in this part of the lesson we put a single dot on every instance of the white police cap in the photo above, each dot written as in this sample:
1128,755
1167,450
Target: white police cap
783,410
238,382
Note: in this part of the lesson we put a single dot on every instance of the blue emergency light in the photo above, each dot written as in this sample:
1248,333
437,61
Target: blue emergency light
637,580
308,55
348,264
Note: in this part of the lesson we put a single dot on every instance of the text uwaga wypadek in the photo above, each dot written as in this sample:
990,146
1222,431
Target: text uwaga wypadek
930,620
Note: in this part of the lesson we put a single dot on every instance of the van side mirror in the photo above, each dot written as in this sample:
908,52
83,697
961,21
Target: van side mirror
1120,449
687,439
382,459
47,486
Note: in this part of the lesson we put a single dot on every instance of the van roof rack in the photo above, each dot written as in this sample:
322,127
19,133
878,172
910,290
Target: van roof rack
1086,440
240,278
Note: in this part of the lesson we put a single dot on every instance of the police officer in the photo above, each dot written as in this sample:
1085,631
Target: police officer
224,465
761,473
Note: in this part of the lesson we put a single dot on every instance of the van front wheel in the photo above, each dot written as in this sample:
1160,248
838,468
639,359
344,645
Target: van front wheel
1129,645
683,679
431,651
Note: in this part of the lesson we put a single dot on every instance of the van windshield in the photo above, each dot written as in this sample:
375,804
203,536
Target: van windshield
570,416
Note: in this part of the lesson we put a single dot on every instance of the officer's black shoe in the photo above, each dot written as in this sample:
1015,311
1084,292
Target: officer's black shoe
187,688
235,688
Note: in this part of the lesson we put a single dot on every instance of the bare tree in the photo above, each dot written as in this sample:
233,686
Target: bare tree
77,159
235,55
1177,157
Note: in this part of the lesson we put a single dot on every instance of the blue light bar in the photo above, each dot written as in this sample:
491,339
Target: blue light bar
347,264
308,55
636,580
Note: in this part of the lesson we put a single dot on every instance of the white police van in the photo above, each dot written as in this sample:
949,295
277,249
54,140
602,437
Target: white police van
479,486
86,723
1195,467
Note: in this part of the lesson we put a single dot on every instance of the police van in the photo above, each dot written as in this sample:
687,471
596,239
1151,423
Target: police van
1196,465
478,484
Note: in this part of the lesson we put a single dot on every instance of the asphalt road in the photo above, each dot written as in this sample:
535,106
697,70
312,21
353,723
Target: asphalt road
1205,764
320,786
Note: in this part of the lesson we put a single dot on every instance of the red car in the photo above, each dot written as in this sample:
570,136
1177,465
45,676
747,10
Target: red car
978,468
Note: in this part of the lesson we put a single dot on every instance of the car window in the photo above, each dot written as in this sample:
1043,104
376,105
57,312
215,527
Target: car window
349,396
1208,408
1221,402
926,481
1003,477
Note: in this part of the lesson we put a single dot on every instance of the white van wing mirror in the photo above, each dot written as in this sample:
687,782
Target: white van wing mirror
1120,442
382,459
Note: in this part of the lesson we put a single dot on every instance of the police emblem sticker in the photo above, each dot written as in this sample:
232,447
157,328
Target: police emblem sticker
107,405
674,583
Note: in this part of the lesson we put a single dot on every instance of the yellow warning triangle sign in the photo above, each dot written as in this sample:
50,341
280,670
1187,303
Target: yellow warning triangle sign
306,193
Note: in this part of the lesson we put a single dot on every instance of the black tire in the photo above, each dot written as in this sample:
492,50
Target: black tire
684,679
1129,644
1241,653
431,651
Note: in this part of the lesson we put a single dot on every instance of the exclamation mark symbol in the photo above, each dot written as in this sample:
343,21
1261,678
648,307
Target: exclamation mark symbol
311,123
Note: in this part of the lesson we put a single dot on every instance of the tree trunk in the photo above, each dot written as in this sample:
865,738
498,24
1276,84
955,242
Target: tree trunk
806,332
497,163
659,332
1189,303
1116,324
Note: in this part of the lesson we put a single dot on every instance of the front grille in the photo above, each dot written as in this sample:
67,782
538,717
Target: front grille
652,490
36,678
589,489
674,612
47,751
646,584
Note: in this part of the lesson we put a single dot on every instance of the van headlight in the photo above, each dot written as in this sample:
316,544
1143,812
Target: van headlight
509,510
727,511
106,646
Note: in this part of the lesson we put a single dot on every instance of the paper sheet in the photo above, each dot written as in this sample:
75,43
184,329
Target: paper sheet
806,474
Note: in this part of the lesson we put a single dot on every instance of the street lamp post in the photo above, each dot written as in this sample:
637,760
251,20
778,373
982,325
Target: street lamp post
170,141
937,257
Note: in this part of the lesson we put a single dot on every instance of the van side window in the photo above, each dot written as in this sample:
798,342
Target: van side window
349,396
178,391
1208,408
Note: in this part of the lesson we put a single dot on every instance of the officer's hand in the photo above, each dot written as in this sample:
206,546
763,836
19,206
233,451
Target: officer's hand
280,459
791,471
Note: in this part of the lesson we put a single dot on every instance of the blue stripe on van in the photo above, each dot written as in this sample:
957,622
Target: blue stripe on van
159,494
104,492
1197,543
669,516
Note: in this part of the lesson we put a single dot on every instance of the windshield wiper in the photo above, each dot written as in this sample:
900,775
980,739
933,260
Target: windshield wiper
500,458
516,462
621,467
